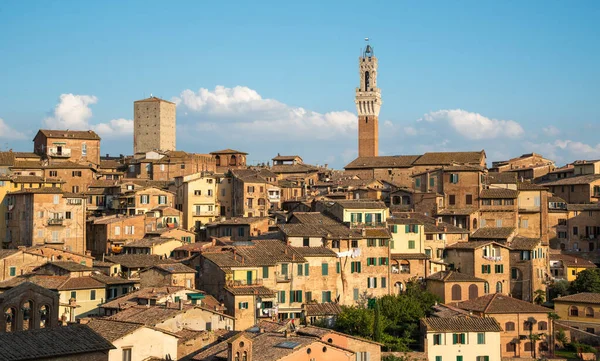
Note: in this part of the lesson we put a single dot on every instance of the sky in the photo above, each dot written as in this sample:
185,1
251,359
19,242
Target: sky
269,77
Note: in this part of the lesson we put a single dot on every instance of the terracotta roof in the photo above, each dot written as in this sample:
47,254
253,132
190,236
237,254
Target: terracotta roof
113,330
260,253
320,332
70,134
53,282
81,283
526,186
7,158
572,261
498,193
174,268
447,311
43,190
377,233
524,243
250,175
136,260
499,303
167,211
7,252
396,161
228,151
453,276
319,230
463,324
115,218
584,297
448,158
315,251
250,290
149,315
361,204
52,343
312,218
575,180
556,199
584,207
322,309
238,221
493,233
150,242
293,168
473,244
153,99
501,178
108,280
131,299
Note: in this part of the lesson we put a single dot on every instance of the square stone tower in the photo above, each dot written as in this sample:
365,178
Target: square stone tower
153,125
368,103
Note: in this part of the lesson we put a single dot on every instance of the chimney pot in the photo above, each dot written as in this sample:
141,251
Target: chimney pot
180,304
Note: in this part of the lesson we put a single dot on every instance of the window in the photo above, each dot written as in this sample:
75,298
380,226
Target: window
92,295
469,199
456,293
498,223
355,294
117,230
129,229
542,326
83,149
486,268
12,271
295,296
306,242
514,273
418,182
437,339
197,192
53,173
481,338
354,244
243,305
300,269
589,312
509,326
241,231
162,199
355,267
498,287
458,339
126,354
67,215
499,268
209,192
372,282
371,242
265,272
144,199
411,244
306,269
383,282
56,199
451,199
371,261
575,231
509,202
524,223
459,358
438,358
363,356
383,261
76,173
574,311
324,269
453,178
281,296
326,296
482,358
74,294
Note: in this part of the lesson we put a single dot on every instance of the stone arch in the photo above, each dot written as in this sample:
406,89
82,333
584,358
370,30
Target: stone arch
396,200
10,319
456,293
218,160
574,311
27,315
233,160
399,287
474,223
44,316
589,312
473,291
498,287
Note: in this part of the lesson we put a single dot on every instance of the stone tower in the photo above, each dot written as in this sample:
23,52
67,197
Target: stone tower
153,125
368,102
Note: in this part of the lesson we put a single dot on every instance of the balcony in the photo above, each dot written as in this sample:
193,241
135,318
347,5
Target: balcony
237,283
368,224
492,258
281,278
59,152
55,221
54,241
205,214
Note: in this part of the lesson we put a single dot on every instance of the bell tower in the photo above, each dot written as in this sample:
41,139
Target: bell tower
368,103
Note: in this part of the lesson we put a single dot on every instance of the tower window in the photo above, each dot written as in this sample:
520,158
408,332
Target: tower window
367,81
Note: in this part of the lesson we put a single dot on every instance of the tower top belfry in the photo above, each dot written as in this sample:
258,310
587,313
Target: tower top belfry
368,103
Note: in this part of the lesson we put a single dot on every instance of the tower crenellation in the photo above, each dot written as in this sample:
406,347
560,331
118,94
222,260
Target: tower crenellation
368,103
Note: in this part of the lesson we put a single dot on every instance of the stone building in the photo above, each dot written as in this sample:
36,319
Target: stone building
583,188
78,146
254,192
28,307
530,166
46,216
452,286
227,159
107,235
368,104
142,200
154,124
160,165
579,311
170,274
196,196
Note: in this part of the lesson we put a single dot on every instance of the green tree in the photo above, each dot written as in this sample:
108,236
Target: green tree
552,317
587,281
539,297
558,289
377,323
534,337
355,321
561,338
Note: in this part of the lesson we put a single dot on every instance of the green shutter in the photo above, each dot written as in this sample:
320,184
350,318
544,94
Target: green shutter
265,272
356,294
359,264
459,358
438,358
306,269
308,296
240,305
383,282
407,229
482,268
299,295
324,269
395,228
13,271
292,296
454,339
282,297
352,268
374,282
300,269
338,267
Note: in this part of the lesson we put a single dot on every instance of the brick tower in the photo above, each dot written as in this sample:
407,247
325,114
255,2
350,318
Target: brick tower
368,102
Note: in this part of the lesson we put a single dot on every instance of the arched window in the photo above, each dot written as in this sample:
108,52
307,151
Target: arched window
456,293
399,286
218,160
527,326
511,347
367,81
486,288
261,202
233,160
509,326
498,287
396,200
44,315
563,246
574,311
245,356
27,315
542,326
474,223
528,346
591,246
237,356
473,291
404,266
589,312
9,317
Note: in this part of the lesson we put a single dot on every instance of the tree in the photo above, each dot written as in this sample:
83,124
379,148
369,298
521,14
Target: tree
587,281
561,337
552,317
355,321
539,297
534,337
530,322
377,323
558,289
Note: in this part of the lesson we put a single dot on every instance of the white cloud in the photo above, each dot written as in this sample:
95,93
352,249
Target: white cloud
411,131
474,125
243,109
579,149
114,128
7,132
72,112
551,131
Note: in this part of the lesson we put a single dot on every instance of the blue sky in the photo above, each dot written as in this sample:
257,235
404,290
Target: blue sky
270,77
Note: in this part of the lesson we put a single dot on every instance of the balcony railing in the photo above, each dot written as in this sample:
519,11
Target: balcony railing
235,283
282,277
55,221
54,240
59,153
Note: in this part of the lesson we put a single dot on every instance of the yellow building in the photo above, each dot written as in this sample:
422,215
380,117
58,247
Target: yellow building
563,266
580,311
358,213
196,197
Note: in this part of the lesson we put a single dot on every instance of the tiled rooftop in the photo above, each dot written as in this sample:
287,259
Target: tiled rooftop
462,324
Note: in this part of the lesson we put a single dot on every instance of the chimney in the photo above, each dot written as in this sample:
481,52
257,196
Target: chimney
261,330
167,304
437,222
287,334
180,304
445,229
